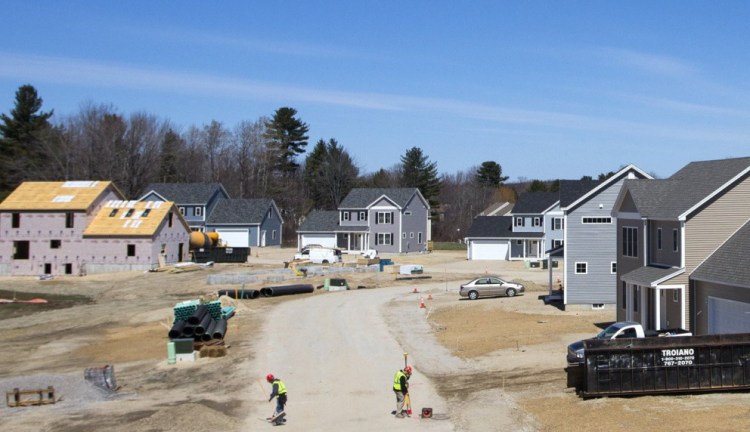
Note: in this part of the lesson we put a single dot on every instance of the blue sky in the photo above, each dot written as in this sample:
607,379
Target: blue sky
546,89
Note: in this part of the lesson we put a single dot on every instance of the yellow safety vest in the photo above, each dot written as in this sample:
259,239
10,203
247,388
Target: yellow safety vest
397,380
282,387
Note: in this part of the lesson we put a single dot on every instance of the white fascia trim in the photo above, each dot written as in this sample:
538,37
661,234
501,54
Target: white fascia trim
721,189
658,282
615,178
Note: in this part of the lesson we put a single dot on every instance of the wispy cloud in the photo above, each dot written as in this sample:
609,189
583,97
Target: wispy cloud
667,66
84,73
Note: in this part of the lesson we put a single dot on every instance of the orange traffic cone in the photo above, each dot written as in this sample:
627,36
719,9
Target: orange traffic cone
421,303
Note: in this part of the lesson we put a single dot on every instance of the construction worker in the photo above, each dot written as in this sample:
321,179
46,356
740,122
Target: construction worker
401,388
278,390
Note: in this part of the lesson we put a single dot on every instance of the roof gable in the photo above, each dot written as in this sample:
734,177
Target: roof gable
241,211
624,173
58,196
361,198
186,193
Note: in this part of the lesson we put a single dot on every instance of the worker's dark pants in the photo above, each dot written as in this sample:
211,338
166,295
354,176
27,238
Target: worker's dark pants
280,402
399,401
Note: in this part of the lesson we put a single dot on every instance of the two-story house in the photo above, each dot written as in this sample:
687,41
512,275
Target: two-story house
590,256
389,220
194,200
672,235
80,227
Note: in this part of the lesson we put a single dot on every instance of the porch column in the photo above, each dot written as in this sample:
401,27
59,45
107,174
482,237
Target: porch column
657,309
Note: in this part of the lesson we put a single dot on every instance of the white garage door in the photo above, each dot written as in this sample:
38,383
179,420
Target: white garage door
325,240
728,316
234,237
488,250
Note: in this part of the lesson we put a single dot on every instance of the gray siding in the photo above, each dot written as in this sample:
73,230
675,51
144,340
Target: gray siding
551,234
528,223
270,224
389,228
594,244
627,264
414,222
354,216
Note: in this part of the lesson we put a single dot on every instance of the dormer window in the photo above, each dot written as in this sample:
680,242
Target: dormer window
345,216
199,211
519,221
362,216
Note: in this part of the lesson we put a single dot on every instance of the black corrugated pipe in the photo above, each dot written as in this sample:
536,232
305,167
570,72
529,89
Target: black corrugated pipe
220,329
265,292
177,328
203,326
198,315
288,290
240,293
205,337
188,331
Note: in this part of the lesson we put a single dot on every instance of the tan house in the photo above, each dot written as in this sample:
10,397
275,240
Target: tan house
666,229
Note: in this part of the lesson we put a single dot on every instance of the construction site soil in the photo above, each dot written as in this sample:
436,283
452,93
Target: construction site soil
489,364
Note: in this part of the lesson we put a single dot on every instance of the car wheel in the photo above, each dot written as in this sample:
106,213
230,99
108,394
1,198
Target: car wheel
473,295
510,292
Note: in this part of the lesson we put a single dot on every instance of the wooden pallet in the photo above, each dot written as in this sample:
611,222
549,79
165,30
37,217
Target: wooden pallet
18,397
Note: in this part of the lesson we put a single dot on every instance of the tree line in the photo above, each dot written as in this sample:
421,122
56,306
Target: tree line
265,157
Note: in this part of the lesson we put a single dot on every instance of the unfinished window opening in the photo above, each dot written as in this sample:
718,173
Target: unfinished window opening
69,220
55,244
15,220
131,250
21,250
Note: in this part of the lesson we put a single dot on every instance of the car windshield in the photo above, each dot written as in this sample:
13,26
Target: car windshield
608,332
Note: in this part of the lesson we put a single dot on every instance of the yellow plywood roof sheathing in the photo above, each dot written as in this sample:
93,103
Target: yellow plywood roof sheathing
57,196
131,218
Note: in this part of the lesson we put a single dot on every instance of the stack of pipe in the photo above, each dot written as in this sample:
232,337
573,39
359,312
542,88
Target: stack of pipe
240,293
200,326
286,290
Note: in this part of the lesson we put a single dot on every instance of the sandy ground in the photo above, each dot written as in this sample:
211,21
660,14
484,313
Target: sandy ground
492,364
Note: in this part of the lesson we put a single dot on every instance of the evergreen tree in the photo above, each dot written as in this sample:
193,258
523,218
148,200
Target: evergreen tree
490,174
170,150
288,135
330,173
418,172
537,186
20,137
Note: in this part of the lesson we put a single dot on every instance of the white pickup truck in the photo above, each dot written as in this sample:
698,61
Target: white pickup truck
618,330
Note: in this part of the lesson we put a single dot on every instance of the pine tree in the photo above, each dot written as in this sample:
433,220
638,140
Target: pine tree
288,135
490,174
418,172
20,134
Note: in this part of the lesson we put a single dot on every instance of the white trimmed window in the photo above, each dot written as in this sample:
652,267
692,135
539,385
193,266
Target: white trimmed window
613,267
557,223
182,210
557,243
384,239
362,215
403,235
519,221
345,216
199,211
411,235
630,242
658,238
419,238
537,222
597,220
675,241
582,268
384,217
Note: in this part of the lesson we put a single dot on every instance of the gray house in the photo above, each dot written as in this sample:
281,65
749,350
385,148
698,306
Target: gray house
590,239
195,201
493,237
389,220
675,238
246,222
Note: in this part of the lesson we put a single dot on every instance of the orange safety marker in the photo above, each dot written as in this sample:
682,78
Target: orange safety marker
421,303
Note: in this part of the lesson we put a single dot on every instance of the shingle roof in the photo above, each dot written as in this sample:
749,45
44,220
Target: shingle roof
57,196
239,211
360,198
497,227
730,264
571,190
535,202
670,198
184,193
131,219
648,275
327,221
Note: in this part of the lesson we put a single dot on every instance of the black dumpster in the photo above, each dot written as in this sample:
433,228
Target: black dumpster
663,365
221,255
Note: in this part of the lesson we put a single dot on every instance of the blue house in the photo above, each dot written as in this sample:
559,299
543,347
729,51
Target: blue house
195,201
246,222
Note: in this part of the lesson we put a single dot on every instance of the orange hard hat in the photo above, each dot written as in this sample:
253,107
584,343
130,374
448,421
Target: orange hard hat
269,377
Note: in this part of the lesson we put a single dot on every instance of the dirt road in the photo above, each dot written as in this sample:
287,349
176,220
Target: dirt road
337,358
